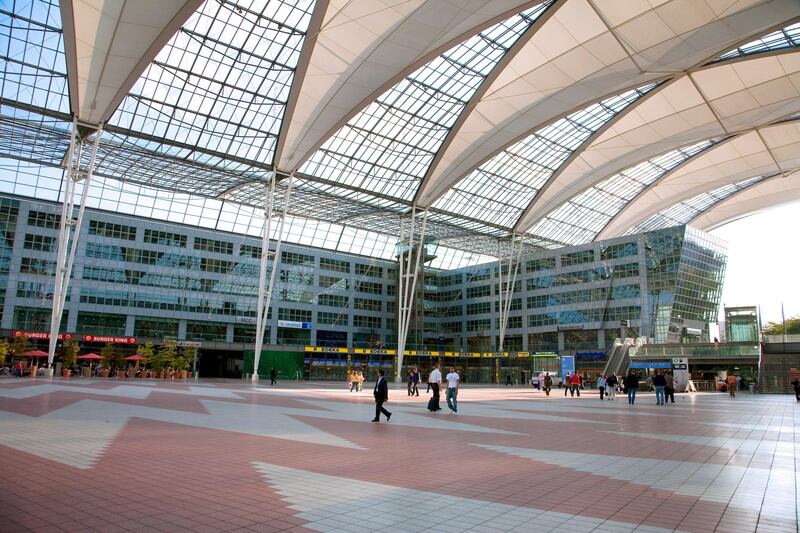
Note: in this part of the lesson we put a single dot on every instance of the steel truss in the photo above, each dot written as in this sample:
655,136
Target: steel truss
509,254
269,257
65,256
411,247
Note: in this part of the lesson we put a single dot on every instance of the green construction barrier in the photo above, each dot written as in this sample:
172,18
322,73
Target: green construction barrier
289,365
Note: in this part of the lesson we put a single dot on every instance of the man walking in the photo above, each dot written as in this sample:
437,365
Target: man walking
548,383
381,394
601,386
576,385
730,381
659,382
452,389
415,382
433,382
631,386
568,384
669,390
272,375
611,386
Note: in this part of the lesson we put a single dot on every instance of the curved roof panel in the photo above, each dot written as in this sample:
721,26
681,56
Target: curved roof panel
770,193
109,44
496,116
763,152
388,146
361,48
584,52
686,210
716,101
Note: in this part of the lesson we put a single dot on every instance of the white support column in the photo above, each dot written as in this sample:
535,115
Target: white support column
65,255
407,282
264,287
513,255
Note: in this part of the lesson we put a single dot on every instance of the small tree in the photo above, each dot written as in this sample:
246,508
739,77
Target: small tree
112,358
4,347
776,328
71,348
145,350
188,356
165,355
20,345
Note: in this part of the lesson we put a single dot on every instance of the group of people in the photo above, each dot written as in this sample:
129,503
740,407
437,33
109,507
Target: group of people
356,380
381,391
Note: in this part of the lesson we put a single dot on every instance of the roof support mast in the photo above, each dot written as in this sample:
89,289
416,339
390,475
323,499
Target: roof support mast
411,249
508,257
65,256
268,257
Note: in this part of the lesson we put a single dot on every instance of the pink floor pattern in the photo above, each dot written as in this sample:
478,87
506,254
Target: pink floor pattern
217,455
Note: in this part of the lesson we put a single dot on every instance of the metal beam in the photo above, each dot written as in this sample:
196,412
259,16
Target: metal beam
66,249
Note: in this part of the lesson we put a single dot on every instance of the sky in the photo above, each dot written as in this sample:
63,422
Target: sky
763,262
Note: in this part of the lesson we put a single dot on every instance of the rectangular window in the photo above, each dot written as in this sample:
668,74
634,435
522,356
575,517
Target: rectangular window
114,231
216,265
294,258
104,297
206,331
577,258
372,322
295,315
246,333
333,300
367,304
30,265
479,308
479,325
335,265
296,295
545,263
516,287
452,327
41,243
297,277
514,322
212,245
516,305
155,328
372,271
332,319
615,251
43,220
249,250
450,279
333,282
478,292
165,238
101,323
369,287
480,274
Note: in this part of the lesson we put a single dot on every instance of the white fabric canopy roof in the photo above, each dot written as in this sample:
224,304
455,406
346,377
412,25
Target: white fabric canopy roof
501,117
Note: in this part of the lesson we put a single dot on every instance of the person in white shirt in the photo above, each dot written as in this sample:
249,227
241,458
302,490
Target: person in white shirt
433,380
452,389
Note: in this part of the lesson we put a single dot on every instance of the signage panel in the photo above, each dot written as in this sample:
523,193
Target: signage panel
109,338
42,335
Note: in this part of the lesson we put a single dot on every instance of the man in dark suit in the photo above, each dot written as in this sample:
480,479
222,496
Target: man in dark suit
381,394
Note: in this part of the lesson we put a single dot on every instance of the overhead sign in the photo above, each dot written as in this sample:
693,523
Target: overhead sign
42,335
294,324
109,338
190,344
544,354
650,364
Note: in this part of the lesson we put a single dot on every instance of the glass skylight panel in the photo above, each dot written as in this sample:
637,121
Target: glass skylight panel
34,69
499,190
222,81
684,212
388,147
580,219
787,37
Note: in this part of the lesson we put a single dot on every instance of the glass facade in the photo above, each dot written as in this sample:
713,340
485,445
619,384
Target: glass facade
134,277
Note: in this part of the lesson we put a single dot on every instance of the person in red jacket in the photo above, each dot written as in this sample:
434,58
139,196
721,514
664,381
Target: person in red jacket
576,384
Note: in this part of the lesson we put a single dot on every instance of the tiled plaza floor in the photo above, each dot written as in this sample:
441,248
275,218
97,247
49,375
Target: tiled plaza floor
104,455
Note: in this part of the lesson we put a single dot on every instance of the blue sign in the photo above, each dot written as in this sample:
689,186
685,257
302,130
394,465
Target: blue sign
567,365
650,364
590,356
